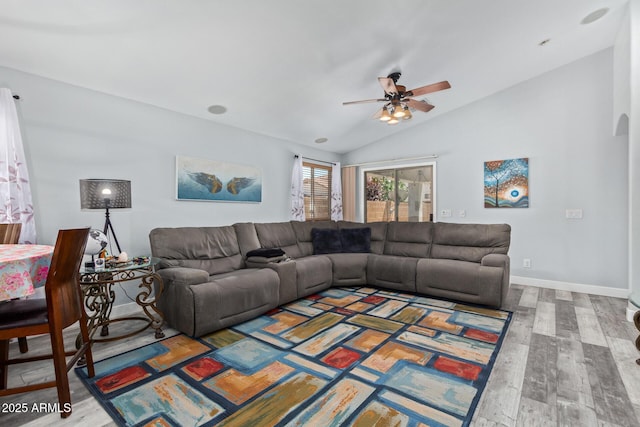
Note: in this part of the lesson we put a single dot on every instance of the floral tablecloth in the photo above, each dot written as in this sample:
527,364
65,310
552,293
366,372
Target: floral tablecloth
22,269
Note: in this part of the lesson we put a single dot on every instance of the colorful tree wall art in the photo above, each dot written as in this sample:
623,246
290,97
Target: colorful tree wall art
506,183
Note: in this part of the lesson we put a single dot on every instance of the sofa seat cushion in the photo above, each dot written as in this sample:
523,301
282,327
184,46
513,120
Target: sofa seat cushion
393,272
231,298
349,269
460,280
313,274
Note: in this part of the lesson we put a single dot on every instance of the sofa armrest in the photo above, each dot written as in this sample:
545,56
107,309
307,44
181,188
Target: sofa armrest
286,273
495,260
183,276
175,300
501,261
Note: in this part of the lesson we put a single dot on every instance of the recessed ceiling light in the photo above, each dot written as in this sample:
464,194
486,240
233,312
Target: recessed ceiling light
217,109
321,140
594,16
544,42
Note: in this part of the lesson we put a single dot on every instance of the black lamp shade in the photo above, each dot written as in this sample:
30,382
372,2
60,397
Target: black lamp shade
105,193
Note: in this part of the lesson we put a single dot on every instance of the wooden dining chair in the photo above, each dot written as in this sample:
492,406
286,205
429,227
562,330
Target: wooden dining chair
62,307
10,234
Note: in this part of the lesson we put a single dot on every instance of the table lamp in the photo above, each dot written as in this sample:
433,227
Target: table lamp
106,194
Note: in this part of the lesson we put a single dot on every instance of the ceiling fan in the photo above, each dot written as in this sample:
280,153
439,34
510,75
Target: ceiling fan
398,99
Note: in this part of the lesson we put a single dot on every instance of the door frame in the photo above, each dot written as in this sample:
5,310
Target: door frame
361,187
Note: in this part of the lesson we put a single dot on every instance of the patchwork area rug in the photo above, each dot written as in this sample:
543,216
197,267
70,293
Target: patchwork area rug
347,356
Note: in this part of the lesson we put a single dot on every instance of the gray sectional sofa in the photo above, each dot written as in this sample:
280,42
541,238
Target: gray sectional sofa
210,283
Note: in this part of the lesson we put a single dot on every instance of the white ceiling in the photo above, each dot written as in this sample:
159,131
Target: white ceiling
283,67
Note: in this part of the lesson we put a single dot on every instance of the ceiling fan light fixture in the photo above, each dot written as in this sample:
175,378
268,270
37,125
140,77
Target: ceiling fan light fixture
385,116
398,112
407,113
393,121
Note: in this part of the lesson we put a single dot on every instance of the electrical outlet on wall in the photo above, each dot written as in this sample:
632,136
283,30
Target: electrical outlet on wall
526,263
573,213
445,213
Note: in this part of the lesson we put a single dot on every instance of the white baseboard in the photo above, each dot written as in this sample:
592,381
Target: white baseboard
571,287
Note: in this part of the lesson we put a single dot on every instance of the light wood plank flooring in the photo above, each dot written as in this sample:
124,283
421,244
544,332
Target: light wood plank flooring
567,360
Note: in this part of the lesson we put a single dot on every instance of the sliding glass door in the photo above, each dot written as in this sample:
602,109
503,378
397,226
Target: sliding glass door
399,194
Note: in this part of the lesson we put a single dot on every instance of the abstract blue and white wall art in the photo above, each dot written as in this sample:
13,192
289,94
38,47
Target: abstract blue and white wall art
209,180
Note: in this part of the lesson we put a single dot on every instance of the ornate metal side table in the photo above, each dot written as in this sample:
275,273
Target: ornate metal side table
99,297
636,321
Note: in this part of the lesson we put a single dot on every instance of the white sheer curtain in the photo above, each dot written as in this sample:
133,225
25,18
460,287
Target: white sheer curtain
297,190
336,192
15,192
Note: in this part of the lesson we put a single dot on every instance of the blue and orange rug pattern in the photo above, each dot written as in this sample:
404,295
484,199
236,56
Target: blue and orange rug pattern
346,356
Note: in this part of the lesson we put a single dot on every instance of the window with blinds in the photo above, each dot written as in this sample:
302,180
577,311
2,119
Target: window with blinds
317,191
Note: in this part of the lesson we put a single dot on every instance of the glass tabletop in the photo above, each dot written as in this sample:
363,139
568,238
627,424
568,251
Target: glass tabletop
114,267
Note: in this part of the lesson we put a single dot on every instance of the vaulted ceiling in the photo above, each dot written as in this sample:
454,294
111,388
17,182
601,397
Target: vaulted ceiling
283,67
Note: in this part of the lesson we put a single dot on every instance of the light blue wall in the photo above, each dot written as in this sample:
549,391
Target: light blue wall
72,133
561,121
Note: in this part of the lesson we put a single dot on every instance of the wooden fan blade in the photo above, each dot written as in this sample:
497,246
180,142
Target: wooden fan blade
364,101
419,105
388,85
435,87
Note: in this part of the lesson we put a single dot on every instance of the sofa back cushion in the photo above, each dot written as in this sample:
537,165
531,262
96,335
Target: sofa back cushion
278,235
412,239
247,237
469,242
213,249
378,233
304,236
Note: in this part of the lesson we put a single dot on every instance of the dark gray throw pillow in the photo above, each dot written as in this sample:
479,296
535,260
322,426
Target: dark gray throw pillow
325,241
356,239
